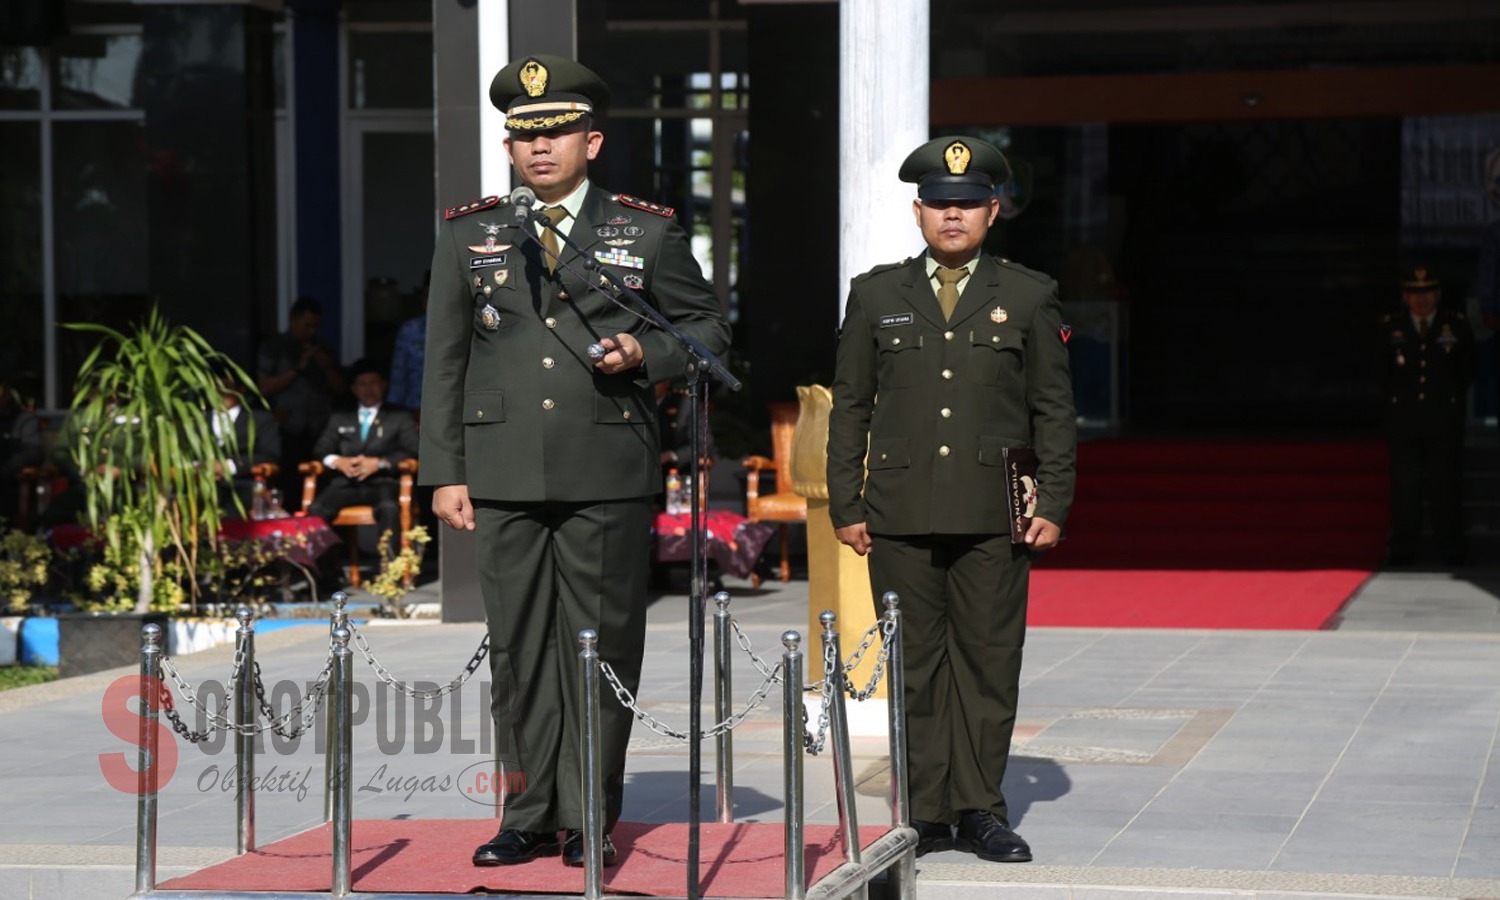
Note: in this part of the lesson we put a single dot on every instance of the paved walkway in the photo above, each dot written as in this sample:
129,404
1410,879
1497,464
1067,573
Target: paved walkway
1356,762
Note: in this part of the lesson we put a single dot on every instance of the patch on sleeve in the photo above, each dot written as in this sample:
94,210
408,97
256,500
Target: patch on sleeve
454,212
1065,332
647,205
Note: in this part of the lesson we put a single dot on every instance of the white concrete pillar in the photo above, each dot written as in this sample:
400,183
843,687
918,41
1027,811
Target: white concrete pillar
883,88
494,54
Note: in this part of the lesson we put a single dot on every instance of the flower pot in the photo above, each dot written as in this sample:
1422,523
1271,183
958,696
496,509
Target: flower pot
92,642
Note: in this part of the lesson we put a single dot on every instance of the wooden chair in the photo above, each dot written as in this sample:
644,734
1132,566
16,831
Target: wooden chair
363,514
785,505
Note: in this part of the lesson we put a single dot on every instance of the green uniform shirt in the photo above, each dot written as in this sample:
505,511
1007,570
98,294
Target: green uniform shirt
512,406
937,402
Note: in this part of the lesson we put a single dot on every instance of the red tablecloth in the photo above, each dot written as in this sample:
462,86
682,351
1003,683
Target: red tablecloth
301,539
734,542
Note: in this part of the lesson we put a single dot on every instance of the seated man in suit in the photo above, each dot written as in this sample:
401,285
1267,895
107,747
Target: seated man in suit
251,447
362,447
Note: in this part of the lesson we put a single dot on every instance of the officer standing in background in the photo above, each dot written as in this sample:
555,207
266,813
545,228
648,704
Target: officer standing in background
944,362
1426,368
550,456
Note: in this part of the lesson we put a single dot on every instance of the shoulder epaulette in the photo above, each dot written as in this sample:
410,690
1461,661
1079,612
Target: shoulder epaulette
647,205
883,267
1043,277
454,212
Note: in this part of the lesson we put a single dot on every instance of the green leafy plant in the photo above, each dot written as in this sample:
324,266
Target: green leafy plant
24,562
398,570
143,440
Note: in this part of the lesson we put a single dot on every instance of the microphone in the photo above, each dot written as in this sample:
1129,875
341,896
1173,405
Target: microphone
523,198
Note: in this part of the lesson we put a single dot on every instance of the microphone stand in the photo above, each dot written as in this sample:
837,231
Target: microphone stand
701,360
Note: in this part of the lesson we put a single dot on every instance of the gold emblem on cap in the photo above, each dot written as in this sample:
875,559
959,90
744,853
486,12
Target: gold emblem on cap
534,78
957,156
998,315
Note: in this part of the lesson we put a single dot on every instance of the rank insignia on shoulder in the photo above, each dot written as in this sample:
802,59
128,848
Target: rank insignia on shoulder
454,212
1065,332
647,205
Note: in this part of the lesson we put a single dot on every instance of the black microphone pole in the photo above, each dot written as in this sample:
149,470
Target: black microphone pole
701,360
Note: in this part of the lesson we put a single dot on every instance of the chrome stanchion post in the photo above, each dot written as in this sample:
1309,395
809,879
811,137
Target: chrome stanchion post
903,873
723,691
838,727
337,619
593,775
147,759
343,753
244,730
792,734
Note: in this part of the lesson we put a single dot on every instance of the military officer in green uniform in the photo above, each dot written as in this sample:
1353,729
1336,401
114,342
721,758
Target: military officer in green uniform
1427,365
548,454
946,360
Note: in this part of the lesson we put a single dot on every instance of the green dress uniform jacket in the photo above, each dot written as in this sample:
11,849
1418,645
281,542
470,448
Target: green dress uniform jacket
939,401
512,405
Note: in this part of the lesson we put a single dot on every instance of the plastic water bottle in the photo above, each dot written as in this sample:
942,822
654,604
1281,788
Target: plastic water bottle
258,500
676,504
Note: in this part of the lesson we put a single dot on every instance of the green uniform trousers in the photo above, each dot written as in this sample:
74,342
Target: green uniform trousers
963,614
548,571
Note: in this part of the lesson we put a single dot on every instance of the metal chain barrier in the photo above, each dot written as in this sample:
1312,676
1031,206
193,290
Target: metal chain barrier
217,720
307,715
404,687
813,741
886,628
628,701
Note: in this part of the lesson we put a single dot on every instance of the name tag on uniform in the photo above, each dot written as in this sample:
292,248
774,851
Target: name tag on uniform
480,262
898,319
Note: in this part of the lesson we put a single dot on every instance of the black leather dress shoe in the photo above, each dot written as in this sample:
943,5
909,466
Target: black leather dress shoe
932,837
512,847
572,852
988,836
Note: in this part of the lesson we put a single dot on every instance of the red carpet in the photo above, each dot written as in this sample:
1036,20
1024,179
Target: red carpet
406,856
1216,534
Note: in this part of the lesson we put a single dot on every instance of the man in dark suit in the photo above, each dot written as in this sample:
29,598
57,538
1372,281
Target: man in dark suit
256,440
944,362
363,447
552,456
1427,365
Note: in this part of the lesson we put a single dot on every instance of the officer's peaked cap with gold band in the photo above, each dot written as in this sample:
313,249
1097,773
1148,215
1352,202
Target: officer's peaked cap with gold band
956,168
543,91
1421,279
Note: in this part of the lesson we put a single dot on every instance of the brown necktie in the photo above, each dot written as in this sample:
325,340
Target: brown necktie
947,292
555,214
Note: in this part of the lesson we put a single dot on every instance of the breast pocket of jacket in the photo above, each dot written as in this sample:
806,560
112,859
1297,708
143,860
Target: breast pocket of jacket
995,354
900,357
483,406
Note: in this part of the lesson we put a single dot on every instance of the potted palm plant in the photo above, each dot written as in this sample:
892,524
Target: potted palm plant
143,439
